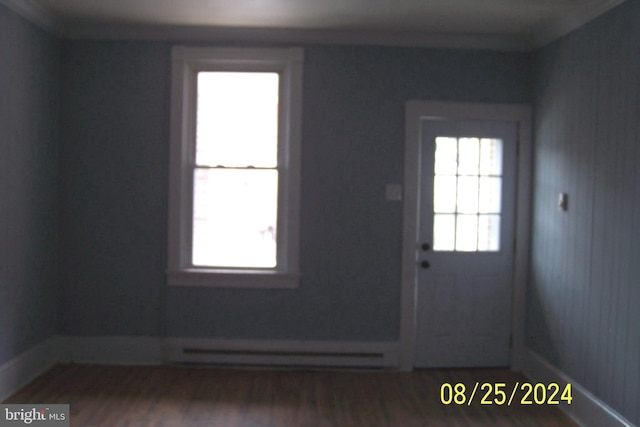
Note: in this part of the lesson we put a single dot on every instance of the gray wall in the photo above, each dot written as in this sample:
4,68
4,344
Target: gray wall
584,295
113,187
114,150
111,169
28,184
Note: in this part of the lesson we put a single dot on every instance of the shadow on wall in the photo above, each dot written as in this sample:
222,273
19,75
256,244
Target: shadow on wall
539,333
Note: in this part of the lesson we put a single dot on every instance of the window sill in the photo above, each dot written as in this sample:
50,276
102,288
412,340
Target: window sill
243,279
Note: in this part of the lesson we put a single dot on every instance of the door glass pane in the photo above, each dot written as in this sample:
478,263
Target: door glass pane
444,194
446,156
468,189
234,218
490,156
467,233
489,233
468,156
490,194
444,232
468,194
237,119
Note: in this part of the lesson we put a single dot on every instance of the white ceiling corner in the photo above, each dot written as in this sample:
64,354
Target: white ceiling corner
35,13
569,22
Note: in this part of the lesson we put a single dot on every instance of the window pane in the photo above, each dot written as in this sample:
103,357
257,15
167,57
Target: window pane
234,218
444,232
468,156
490,194
490,156
444,196
446,162
468,194
237,119
468,187
467,233
489,233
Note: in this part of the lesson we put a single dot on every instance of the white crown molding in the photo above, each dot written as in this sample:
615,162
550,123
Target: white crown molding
34,13
261,36
555,30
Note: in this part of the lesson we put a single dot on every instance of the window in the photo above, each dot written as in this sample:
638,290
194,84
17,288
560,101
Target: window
234,167
467,194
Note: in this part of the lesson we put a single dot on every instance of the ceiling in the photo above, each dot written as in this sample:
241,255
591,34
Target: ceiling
533,21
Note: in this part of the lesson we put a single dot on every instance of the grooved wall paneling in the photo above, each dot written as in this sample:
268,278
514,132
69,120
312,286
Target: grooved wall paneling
584,294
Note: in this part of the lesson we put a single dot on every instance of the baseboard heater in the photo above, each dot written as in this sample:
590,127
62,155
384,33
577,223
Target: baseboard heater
284,354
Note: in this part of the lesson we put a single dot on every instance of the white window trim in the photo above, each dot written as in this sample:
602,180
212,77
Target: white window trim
186,62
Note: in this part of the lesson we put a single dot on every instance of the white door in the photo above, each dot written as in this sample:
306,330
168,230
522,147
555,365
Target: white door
466,232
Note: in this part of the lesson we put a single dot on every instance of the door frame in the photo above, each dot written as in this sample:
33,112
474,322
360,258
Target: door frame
516,113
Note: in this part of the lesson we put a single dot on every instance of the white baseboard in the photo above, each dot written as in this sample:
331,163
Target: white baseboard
112,350
349,354
155,351
25,367
585,409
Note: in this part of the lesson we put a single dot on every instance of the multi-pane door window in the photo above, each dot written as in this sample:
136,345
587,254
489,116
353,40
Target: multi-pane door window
234,177
467,194
236,170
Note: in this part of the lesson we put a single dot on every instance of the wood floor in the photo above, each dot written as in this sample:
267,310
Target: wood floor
114,396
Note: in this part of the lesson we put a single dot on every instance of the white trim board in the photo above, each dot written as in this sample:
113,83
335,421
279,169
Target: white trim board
151,351
24,368
232,352
122,350
585,409
415,111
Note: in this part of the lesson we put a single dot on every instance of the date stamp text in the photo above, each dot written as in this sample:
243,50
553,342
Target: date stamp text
488,393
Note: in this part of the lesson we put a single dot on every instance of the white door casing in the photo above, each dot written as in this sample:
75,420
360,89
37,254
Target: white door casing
416,113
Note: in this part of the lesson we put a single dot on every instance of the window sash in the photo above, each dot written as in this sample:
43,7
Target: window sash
186,63
235,218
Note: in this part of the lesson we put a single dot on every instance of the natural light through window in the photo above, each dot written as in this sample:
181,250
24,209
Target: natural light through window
234,170
235,207
467,194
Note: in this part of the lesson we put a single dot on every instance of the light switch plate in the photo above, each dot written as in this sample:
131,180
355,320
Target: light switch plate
563,202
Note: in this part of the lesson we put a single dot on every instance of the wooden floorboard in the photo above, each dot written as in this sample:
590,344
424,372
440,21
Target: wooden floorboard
116,396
